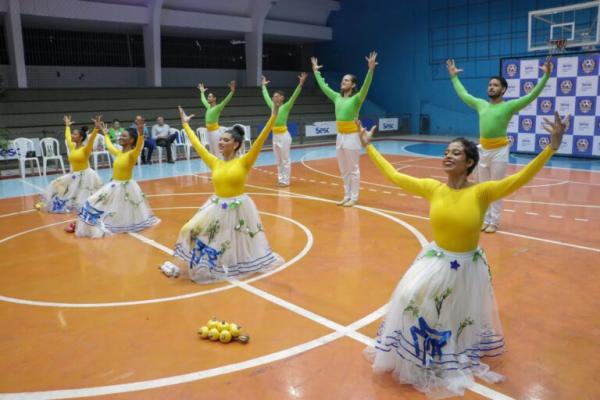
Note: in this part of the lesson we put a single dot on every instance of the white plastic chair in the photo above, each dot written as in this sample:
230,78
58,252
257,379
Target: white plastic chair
202,134
23,146
182,142
51,151
99,150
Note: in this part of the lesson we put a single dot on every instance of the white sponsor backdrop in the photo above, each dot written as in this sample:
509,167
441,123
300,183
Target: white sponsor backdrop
573,88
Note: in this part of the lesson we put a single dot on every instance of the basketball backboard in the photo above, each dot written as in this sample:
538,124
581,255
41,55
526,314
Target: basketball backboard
577,24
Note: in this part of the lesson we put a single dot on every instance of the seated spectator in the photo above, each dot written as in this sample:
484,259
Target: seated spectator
160,133
115,130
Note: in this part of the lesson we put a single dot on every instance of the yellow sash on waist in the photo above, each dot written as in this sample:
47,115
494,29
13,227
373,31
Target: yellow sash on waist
493,143
278,130
212,127
345,127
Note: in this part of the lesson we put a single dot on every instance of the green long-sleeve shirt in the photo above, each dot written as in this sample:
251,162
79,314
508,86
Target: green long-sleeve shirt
346,108
284,110
494,118
214,112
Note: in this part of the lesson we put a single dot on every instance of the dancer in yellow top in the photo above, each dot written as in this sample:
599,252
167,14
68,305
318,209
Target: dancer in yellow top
213,113
347,106
68,192
120,205
442,317
225,238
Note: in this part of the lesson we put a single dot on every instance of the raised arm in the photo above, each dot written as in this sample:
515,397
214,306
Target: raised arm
250,157
372,62
332,94
68,123
208,158
301,79
460,90
109,145
202,90
418,186
520,103
98,126
139,144
227,99
265,92
494,190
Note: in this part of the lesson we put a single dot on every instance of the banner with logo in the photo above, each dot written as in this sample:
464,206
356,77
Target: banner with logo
388,124
573,88
321,129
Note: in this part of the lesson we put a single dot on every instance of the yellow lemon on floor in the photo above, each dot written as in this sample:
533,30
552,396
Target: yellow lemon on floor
225,336
212,323
222,325
234,329
213,334
203,332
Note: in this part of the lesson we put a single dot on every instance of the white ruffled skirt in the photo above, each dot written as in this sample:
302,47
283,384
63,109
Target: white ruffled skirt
225,239
69,192
442,320
119,206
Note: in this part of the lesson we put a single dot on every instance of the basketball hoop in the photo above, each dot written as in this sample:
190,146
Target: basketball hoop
558,46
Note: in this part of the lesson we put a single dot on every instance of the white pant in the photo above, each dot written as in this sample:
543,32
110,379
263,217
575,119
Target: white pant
281,150
347,149
492,167
213,141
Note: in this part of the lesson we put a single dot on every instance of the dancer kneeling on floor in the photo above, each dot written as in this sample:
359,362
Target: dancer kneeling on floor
120,205
442,317
225,239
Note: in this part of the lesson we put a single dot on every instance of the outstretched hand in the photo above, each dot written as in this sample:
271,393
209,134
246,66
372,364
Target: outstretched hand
185,119
201,87
104,128
97,120
302,78
452,70
315,64
548,66
372,60
365,135
232,86
556,129
68,121
265,81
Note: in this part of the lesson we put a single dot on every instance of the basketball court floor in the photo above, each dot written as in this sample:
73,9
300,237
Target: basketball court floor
97,319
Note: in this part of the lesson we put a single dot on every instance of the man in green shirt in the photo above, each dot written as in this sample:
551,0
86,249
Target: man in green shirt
282,140
494,116
213,112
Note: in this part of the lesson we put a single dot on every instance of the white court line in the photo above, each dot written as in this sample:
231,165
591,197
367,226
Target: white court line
508,210
303,252
17,213
555,216
340,331
36,187
531,213
582,219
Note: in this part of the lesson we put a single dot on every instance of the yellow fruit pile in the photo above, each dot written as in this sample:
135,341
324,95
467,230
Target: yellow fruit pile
222,331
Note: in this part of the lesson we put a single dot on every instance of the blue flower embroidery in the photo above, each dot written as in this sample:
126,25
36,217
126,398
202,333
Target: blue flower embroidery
454,265
224,206
58,204
202,250
433,340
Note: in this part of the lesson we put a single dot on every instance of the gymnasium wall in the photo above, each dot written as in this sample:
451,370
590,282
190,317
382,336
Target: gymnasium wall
414,39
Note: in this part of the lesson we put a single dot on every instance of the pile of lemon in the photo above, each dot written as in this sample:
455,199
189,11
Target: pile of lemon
222,331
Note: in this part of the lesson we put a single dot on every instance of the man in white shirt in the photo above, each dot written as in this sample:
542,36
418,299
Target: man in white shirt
161,134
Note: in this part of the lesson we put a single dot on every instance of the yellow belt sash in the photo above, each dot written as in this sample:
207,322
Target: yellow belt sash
212,127
278,130
346,127
493,143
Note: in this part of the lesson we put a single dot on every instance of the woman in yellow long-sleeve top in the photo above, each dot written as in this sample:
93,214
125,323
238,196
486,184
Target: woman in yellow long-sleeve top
120,205
442,318
68,192
225,238
213,113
